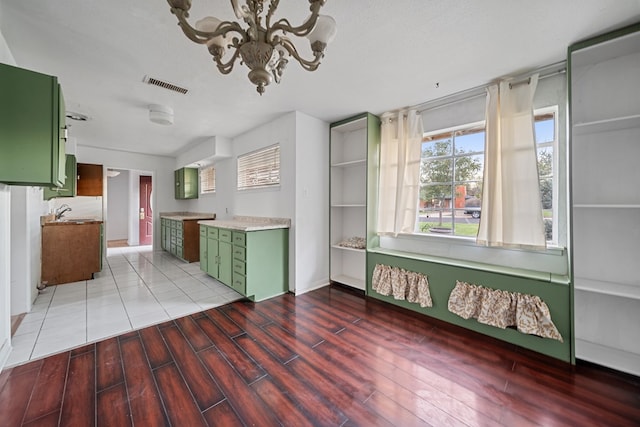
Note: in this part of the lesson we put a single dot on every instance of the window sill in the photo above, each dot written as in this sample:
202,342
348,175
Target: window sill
510,271
550,264
466,241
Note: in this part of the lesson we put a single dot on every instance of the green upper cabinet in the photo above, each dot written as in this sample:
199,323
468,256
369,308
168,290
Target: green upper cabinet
186,183
69,189
32,128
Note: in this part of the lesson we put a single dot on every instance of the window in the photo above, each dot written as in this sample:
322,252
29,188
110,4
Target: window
546,140
207,180
260,168
451,173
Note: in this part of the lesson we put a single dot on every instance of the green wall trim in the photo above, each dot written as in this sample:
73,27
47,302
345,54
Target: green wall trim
594,40
442,275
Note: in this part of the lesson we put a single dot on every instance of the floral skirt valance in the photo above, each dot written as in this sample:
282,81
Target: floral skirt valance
402,284
500,308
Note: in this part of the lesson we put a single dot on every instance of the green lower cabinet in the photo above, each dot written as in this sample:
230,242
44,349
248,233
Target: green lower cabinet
224,256
163,233
253,263
212,256
203,248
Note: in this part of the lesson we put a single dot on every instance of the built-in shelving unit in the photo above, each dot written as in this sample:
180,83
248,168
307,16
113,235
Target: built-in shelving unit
605,148
348,200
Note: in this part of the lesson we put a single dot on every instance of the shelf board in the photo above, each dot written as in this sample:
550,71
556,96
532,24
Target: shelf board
605,206
343,248
350,281
358,162
607,288
348,205
606,125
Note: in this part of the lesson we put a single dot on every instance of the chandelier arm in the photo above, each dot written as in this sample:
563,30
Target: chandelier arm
273,5
226,67
309,65
302,30
202,37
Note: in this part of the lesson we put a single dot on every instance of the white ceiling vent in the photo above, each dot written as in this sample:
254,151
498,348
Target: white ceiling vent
166,85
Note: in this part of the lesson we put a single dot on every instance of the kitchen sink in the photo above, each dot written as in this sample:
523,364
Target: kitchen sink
76,220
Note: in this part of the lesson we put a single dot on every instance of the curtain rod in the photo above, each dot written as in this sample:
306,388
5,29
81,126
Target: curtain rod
479,91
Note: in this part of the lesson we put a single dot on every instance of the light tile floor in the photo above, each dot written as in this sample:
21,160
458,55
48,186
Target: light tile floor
137,287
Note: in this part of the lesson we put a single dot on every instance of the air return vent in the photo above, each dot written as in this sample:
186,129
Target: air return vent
166,85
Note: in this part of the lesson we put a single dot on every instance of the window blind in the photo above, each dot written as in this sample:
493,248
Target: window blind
207,180
260,168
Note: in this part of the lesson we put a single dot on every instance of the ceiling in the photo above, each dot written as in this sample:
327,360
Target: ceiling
387,55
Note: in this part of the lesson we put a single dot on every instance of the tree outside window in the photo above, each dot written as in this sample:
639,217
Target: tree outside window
451,173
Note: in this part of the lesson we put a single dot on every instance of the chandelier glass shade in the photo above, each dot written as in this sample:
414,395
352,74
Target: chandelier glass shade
264,46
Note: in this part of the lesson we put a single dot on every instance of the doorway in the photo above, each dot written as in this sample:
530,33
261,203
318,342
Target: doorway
146,215
129,208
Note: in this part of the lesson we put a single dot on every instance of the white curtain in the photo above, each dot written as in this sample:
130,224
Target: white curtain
511,207
400,151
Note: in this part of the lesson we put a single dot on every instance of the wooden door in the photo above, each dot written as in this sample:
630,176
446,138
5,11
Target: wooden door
146,215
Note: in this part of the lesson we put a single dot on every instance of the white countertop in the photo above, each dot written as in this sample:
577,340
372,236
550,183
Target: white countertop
249,223
184,216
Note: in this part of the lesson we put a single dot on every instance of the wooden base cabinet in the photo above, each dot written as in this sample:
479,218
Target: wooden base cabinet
253,263
71,252
180,238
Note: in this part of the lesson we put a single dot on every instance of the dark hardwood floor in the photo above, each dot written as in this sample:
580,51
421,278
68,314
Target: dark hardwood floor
329,357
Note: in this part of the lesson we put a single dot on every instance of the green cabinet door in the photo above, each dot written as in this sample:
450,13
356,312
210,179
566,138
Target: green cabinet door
163,232
212,257
69,189
186,183
203,253
32,128
225,269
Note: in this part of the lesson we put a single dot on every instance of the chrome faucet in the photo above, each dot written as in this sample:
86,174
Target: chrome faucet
61,210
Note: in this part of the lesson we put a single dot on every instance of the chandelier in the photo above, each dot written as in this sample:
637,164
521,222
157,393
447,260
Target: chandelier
265,49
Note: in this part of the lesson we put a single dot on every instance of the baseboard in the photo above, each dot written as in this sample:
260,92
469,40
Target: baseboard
5,350
614,358
317,285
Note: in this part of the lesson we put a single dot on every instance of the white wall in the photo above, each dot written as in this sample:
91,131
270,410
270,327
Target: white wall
312,204
5,245
27,206
5,273
118,206
303,166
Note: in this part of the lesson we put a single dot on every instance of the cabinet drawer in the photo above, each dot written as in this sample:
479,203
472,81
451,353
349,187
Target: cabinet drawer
239,253
179,241
173,232
179,251
239,238
225,235
212,232
238,284
238,266
179,233
203,230
173,240
179,225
